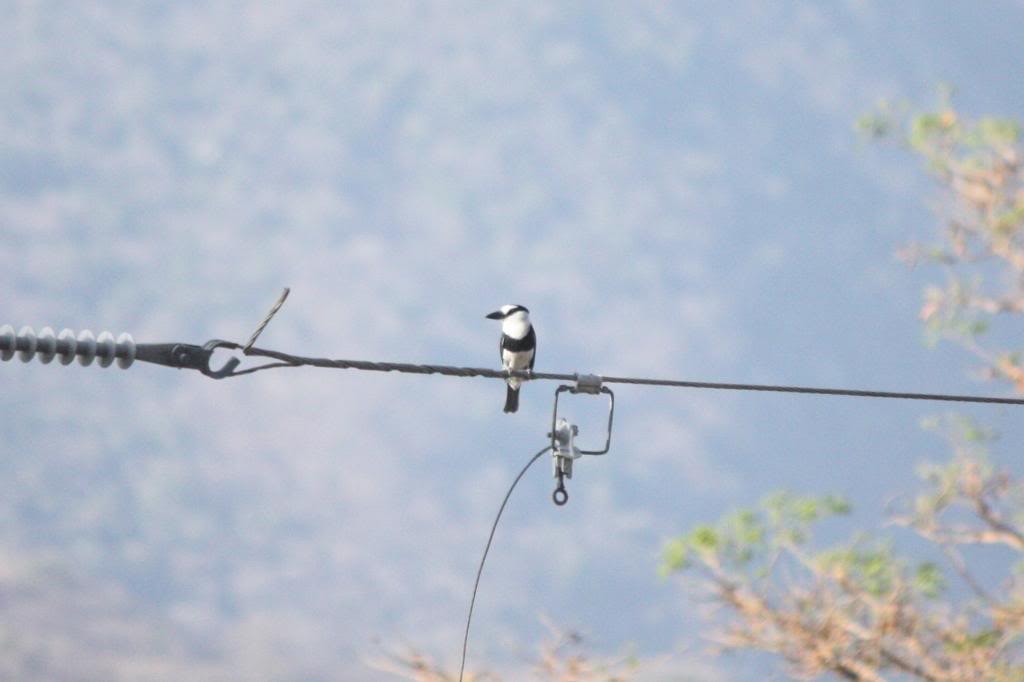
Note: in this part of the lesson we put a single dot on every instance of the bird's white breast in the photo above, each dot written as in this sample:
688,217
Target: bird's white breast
516,360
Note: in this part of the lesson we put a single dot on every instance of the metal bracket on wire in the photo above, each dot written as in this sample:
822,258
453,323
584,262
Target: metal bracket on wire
563,434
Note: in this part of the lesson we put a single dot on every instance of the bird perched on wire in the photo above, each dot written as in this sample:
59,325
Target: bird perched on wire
518,347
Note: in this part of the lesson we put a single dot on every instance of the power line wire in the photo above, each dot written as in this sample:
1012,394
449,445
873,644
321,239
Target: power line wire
181,355
288,360
487,548
188,356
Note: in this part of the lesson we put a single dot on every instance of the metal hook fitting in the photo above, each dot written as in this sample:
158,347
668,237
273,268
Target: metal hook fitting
229,367
560,496
189,356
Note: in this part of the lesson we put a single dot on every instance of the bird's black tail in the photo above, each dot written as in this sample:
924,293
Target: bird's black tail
511,399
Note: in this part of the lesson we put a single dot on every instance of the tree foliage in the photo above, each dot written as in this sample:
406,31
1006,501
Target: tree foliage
978,165
860,609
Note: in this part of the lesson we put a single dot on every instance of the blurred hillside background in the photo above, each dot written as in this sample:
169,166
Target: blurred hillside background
673,189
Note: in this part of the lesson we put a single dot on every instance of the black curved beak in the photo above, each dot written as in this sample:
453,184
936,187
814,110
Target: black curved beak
496,315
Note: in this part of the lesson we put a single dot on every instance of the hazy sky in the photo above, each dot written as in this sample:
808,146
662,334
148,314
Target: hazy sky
673,189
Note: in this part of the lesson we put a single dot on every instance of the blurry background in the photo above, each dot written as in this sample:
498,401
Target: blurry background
674,191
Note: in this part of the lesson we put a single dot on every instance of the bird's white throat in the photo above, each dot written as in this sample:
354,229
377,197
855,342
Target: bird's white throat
516,325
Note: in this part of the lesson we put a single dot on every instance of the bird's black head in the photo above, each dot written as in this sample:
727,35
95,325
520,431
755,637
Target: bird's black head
507,310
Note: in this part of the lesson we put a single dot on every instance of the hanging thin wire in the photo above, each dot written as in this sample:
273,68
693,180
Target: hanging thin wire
487,548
